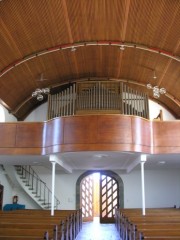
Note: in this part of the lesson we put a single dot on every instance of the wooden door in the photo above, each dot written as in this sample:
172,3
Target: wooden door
1,196
108,198
87,198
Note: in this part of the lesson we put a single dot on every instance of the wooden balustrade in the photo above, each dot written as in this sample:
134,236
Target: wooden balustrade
90,133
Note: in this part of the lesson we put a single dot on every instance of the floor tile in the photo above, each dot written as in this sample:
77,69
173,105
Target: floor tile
96,231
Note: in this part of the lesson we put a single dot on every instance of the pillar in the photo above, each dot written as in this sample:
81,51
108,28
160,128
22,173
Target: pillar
143,160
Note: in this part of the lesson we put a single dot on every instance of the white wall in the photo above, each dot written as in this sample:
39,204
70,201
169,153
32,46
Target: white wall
65,186
7,196
11,190
5,116
154,109
38,115
161,188
24,198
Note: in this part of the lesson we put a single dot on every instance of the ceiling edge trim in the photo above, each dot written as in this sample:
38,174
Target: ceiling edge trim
16,63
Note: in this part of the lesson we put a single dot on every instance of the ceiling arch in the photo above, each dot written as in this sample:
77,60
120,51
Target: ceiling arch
38,38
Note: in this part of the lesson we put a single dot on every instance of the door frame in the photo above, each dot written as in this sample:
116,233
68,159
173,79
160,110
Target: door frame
1,196
105,172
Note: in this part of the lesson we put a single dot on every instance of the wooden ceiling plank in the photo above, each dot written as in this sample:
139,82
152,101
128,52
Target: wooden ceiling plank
126,15
67,21
168,65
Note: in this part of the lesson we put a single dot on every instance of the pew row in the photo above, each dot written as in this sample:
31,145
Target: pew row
39,224
156,224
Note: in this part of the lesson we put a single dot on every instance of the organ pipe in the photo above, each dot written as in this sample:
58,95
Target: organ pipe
98,96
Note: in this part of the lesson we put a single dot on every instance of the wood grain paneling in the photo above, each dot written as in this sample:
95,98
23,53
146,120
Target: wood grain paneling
141,130
90,133
7,135
29,135
114,129
80,130
166,134
53,132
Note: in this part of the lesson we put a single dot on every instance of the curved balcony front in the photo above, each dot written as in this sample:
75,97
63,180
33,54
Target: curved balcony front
90,133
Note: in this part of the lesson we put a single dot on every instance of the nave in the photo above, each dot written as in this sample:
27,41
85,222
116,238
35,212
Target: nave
96,231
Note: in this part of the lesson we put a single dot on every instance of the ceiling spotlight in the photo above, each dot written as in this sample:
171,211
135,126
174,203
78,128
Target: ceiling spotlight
73,49
156,90
154,74
38,93
122,47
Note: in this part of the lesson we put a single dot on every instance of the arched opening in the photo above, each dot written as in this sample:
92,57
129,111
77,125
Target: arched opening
99,193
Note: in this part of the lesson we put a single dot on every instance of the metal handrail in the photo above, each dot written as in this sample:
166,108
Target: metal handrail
37,185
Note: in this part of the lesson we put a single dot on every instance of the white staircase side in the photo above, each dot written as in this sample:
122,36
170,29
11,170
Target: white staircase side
19,182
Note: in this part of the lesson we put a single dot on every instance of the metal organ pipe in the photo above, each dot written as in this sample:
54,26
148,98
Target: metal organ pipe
104,95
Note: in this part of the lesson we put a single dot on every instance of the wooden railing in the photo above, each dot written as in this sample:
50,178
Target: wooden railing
89,133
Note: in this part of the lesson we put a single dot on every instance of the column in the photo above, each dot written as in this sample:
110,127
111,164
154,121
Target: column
143,160
53,187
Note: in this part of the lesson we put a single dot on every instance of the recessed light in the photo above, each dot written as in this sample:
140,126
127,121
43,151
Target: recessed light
100,155
161,162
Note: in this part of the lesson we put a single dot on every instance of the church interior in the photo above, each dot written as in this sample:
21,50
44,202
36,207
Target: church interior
89,119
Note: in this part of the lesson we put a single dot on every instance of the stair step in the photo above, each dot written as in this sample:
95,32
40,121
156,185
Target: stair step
18,169
26,180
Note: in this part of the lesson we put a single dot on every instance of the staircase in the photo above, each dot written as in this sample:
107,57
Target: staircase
35,187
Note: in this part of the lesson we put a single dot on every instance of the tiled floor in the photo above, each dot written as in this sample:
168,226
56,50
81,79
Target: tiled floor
96,231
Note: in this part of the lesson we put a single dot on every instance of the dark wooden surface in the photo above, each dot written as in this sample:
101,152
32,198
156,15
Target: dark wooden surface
1,196
90,133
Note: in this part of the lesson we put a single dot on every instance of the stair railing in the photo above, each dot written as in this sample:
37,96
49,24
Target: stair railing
39,188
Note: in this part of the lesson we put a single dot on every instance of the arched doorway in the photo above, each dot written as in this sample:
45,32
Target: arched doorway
98,194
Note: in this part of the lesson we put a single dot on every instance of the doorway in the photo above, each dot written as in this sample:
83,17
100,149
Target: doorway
1,196
99,194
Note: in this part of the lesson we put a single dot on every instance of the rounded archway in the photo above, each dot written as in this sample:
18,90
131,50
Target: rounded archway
113,180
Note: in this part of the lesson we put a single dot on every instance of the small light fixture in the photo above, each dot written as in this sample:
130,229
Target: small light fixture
156,90
38,93
73,49
161,162
122,47
154,74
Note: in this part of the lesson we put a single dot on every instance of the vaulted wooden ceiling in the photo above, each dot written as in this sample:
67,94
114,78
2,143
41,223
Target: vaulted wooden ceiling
37,37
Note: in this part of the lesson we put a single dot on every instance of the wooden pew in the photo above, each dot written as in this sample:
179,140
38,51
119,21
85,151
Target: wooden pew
132,225
159,234
67,223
